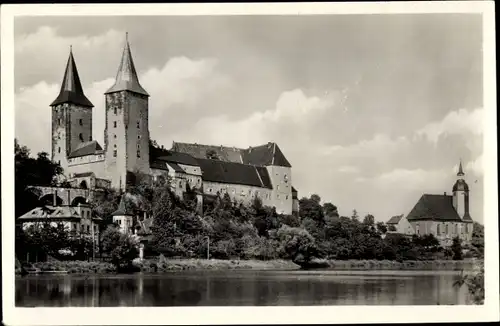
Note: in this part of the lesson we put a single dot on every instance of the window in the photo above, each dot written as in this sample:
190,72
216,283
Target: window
95,228
438,228
74,226
138,136
138,153
180,183
278,187
120,222
116,111
81,137
286,197
59,150
456,228
446,228
88,228
114,124
90,138
59,162
114,153
114,136
80,121
210,190
418,228
138,125
60,121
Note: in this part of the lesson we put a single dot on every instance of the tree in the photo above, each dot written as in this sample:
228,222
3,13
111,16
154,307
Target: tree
311,208
122,248
354,215
381,227
369,220
296,244
456,248
330,210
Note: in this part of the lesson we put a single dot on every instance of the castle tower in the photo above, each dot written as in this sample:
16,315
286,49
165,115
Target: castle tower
461,194
126,134
71,115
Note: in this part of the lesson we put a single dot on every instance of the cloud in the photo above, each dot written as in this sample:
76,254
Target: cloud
348,169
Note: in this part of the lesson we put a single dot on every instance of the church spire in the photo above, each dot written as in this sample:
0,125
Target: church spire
71,87
460,170
126,78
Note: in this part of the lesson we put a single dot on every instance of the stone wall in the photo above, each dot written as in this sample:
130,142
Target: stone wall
87,164
281,197
240,193
444,231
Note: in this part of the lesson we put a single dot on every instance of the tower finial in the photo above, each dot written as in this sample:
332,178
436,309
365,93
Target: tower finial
460,170
126,36
70,48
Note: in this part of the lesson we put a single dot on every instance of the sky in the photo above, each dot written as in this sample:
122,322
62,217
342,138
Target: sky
372,111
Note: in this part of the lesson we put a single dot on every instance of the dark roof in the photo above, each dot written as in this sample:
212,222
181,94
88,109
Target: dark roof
223,153
71,87
234,173
126,78
122,209
176,167
84,174
460,185
264,155
434,207
294,190
86,148
395,219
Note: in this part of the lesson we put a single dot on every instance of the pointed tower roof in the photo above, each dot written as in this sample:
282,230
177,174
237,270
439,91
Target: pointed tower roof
122,209
460,170
126,78
71,87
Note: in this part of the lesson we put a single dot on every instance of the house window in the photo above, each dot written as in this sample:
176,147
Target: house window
456,228
180,183
88,228
114,136
80,121
74,226
116,111
438,228
446,228
59,150
81,137
210,190
114,124
114,145
114,153
418,228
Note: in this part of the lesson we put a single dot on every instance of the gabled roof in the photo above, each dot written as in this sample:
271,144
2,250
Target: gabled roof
126,78
234,173
86,148
71,87
122,209
223,153
264,155
176,167
434,207
395,219
175,157
52,212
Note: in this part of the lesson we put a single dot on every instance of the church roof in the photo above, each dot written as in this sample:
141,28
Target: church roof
434,207
71,87
126,77
234,173
86,148
264,155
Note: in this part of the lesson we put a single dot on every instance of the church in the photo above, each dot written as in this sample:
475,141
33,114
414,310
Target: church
243,173
443,216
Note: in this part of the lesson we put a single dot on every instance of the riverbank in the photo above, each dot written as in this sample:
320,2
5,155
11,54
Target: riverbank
159,265
450,265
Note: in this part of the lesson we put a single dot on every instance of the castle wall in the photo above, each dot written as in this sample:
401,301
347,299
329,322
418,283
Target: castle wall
88,163
193,175
239,193
281,197
137,132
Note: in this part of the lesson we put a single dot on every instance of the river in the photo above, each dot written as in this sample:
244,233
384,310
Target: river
241,288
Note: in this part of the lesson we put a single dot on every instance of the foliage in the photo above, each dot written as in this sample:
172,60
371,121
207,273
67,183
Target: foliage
122,248
478,238
456,248
296,244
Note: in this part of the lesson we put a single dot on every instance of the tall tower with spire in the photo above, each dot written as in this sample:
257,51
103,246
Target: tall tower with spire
71,115
126,134
461,195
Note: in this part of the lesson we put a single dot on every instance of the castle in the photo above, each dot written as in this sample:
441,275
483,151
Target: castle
261,171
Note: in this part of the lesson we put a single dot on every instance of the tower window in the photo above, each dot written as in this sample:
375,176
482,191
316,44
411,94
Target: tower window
138,124
114,124
114,136
114,153
80,121
138,153
115,145
81,137
59,150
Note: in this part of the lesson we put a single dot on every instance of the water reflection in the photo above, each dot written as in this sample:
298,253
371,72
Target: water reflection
237,288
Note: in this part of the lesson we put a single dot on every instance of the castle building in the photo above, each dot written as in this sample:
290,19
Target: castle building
261,171
444,216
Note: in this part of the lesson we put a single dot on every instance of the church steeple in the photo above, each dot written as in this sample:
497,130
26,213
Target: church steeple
126,78
71,87
460,170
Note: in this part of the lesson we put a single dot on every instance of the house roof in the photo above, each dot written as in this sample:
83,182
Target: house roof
86,148
395,219
234,173
264,155
436,208
176,167
126,77
122,209
71,88
53,212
